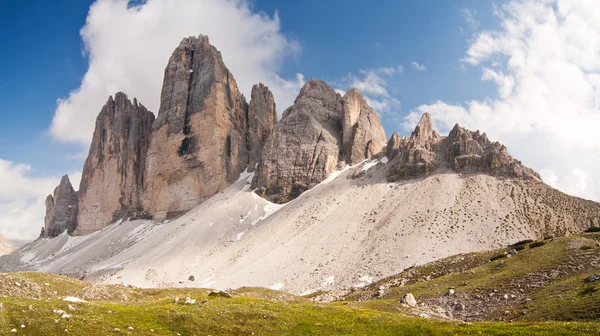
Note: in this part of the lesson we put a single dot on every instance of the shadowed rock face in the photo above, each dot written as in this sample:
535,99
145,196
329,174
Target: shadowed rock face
319,131
262,117
114,169
61,209
462,150
198,144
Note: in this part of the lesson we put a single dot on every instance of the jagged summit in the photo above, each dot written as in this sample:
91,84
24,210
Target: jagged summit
462,150
199,143
61,209
315,135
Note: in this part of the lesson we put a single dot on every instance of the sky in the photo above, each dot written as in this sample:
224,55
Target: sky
526,72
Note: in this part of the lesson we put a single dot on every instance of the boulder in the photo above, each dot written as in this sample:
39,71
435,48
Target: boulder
198,144
113,172
409,299
61,209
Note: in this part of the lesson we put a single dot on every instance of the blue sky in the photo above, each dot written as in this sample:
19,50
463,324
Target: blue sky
527,72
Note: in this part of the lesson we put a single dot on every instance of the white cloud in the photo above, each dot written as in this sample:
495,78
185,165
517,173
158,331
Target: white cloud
22,200
374,87
417,66
128,50
470,17
547,70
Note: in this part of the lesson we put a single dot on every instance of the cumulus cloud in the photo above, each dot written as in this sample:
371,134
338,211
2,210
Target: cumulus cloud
128,45
544,61
418,67
373,85
22,200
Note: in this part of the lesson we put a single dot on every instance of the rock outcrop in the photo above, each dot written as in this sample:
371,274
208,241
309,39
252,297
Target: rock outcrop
305,145
61,209
362,134
463,151
113,173
262,117
319,131
198,144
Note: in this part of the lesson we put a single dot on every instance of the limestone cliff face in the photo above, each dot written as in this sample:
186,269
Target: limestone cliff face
462,150
198,144
262,117
61,209
114,169
319,131
363,136
305,145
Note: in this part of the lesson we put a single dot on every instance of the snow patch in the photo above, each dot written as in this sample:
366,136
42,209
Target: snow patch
384,160
240,235
269,209
370,164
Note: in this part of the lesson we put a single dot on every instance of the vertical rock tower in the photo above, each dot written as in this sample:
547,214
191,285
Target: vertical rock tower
198,142
61,209
319,131
113,172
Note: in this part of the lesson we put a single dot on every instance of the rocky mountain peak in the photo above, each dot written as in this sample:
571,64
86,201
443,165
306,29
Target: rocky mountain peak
113,172
199,143
262,117
314,135
362,133
424,135
462,150
61,209
320,92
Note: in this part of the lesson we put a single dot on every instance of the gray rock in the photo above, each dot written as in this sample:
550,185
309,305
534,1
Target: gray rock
113,172
61,209
319,131
198,145
462,150
262,117
362,134
592,278
305,145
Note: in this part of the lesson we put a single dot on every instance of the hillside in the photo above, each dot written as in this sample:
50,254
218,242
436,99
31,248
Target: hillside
551,276
352,229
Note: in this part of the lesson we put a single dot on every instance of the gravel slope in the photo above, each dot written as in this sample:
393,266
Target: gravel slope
350,230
